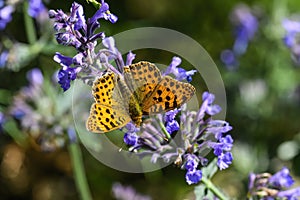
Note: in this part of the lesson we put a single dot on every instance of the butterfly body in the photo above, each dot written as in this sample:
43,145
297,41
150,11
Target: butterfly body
140,91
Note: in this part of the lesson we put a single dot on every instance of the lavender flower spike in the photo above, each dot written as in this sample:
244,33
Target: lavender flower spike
191,133
5,16
179,73
75,31
35,8
267,186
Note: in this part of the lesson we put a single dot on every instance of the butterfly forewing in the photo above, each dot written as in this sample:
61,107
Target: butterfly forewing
141,78
103,89
110,111
104,118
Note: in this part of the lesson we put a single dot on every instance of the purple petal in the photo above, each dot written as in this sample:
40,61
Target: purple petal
3,58
172,126
282,178
291,26
130,139
130,58
62,60
193,177
170,115
228,57
5,16
78,59
35,76
72,134
65,76
35,8
224,160
172,68
191,163
109,42
291,194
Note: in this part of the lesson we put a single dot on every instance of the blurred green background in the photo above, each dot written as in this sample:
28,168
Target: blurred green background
263,101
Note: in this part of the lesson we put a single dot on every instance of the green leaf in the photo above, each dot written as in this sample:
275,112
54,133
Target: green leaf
210,170
200,191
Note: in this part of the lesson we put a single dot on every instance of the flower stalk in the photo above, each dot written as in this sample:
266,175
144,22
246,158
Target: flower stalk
79,173
209,185
29,25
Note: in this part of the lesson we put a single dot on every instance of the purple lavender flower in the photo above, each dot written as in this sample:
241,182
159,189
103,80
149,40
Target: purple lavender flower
113,52
130,137
224,160
35,8
104,13
35,77
193,177
2,121
74,30
5,15
193,137
121,192
292,28
229,59
39,116
65,76
191,162
72,134
130,58
245,26
292,194
209,108
281,179
171,124
267,186
179,73
63,60
3,58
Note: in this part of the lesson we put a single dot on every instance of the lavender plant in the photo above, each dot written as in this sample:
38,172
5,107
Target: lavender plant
245,25
195,129
38,109
268,186
181,136
15,54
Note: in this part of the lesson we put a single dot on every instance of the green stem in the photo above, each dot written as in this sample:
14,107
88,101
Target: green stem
213,188
95,3
12,130
163,128
29,25
79,173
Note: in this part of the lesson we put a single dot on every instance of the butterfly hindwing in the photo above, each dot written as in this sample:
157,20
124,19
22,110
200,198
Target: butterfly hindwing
167,95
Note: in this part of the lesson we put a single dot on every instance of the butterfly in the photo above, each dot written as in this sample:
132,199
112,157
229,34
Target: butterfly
141,90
